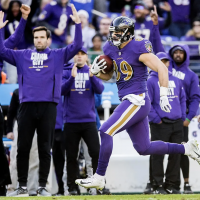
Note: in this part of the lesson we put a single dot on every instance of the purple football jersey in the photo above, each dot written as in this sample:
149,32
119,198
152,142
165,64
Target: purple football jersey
131,73
58,17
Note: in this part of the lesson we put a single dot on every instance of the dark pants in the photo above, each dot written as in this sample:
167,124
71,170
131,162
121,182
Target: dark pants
167,132
4,168
73,133
59,157
40,117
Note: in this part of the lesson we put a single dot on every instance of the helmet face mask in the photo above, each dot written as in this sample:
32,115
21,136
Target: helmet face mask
121,30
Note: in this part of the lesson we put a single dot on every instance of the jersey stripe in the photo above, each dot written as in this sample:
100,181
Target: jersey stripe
125,117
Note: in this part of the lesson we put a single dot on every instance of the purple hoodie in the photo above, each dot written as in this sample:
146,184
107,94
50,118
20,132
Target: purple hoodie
15,38
40,73
79,102
189,78
176,96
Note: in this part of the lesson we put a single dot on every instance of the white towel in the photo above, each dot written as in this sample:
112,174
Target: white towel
135,99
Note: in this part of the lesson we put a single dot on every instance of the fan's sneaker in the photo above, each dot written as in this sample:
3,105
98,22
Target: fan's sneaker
192,150
160,190
95,181
187,189
19,192
149,189
171,190
43,192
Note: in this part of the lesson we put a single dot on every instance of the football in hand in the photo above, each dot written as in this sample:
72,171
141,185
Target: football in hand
109,64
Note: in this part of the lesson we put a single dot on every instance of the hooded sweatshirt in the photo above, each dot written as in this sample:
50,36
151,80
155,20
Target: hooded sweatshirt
59,116
40,72
176,96
79,102
189,79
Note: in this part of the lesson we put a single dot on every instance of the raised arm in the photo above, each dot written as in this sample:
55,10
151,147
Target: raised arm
15,38
155,33
7,54
71,49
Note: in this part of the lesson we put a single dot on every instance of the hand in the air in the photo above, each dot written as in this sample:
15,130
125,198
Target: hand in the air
74,70
164,104
154,16
75,16
97,66
165,6
25,9
2,24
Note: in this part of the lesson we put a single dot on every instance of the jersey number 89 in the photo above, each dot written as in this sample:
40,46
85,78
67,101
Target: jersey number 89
125,68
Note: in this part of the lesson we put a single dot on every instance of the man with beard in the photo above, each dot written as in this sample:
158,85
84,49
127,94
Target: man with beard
179,65
39,77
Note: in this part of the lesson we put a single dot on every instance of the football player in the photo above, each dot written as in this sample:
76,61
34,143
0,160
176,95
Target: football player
131,56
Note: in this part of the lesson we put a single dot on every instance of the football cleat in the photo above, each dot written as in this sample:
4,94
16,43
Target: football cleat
192,150
92,182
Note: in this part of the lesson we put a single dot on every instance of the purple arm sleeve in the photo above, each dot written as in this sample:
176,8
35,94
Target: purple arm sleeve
153,115
97,85
8,55
72,49
183,102
155,40
194,97
67,82
15,38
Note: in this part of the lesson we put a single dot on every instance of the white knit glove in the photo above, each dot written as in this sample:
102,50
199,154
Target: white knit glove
164,102
98,66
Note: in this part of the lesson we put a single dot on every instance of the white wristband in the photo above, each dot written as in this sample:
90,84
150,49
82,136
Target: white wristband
163,91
